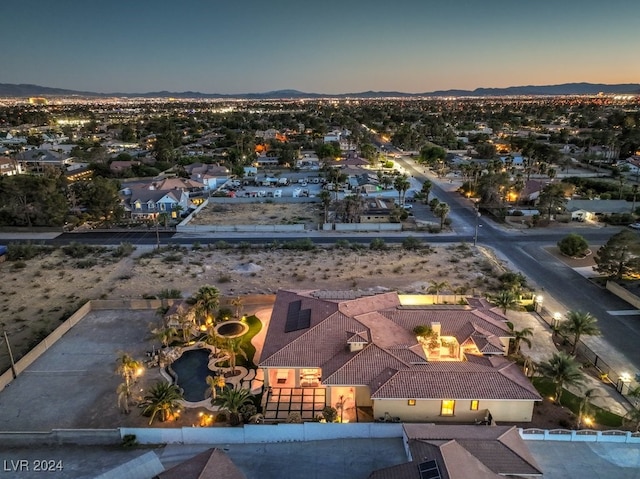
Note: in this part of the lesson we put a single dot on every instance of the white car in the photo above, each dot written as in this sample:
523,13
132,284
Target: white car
635,226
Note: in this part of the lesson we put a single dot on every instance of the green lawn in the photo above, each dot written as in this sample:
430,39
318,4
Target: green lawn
572,402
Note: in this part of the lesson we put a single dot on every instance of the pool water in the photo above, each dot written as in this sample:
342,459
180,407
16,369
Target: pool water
192,370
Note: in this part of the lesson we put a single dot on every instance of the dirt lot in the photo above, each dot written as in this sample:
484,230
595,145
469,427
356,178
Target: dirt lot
259,214
37,294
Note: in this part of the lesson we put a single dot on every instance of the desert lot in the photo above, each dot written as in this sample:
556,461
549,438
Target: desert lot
38,293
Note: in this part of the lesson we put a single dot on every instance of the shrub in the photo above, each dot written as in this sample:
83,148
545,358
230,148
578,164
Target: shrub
170,294
377,244
294,418
80,250
300,245
125,249
129,441
86,263
19,265
330,414
24,251
411,243
573,245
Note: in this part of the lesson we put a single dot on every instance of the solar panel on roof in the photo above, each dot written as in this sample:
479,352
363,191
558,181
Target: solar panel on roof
429,470
292,316
304,319
297,319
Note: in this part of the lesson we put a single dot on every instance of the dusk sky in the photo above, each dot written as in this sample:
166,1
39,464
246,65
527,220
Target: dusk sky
241,46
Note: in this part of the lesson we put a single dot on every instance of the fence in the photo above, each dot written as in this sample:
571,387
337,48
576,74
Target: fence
264,433
585,354
58,437
586,435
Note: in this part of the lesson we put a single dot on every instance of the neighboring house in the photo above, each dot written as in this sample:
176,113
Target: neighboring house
36,160
213,463
264,160
461,452
361,351
9,167
376,210
145,203
211,176
587,210
118,166
309,161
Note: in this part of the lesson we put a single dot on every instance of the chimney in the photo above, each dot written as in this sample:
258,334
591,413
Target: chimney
436,328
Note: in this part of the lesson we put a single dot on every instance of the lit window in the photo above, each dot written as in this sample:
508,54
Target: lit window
411,402
474,405
447,407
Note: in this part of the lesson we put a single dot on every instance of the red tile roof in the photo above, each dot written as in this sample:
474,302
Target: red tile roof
392,361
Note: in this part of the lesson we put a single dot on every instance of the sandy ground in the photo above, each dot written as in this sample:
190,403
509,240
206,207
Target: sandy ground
38,296
259,214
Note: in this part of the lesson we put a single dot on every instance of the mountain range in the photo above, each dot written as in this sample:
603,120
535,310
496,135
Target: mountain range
27,90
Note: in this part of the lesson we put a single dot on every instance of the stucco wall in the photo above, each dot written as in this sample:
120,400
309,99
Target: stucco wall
429,410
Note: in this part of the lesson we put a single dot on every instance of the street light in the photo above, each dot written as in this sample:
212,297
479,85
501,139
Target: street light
475,234
556,321
537,303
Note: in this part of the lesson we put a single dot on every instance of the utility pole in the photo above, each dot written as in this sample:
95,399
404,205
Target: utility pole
475,234
13,364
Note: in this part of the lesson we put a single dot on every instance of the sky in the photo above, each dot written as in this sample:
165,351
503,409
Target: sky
332,46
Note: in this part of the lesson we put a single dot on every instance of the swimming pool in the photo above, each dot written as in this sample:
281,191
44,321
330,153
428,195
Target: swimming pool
192,369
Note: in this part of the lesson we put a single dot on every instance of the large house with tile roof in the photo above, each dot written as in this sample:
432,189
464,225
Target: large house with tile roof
361,349
459,452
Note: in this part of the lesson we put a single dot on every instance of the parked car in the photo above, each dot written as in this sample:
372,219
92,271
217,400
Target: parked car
407,206
635,226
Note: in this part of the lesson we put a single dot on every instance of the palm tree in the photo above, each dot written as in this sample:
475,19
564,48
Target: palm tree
215,383
562,370
585,405
425,190
233,347
519,337
505,300
163,398
165,335
402,184
237,303
207,301
124,395
579,324
325,199
436,287
441,211
231,400
128,368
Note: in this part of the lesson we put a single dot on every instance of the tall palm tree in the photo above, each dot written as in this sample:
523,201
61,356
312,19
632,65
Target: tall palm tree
425,190
128,368
207,301
215,382
562,370
124,395
233,347
237,303
585,405
162,398
325,199
401,184
519,337
436,287
505,299
231,400
441,211
579,324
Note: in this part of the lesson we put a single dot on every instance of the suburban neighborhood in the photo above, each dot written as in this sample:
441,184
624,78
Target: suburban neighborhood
214,276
